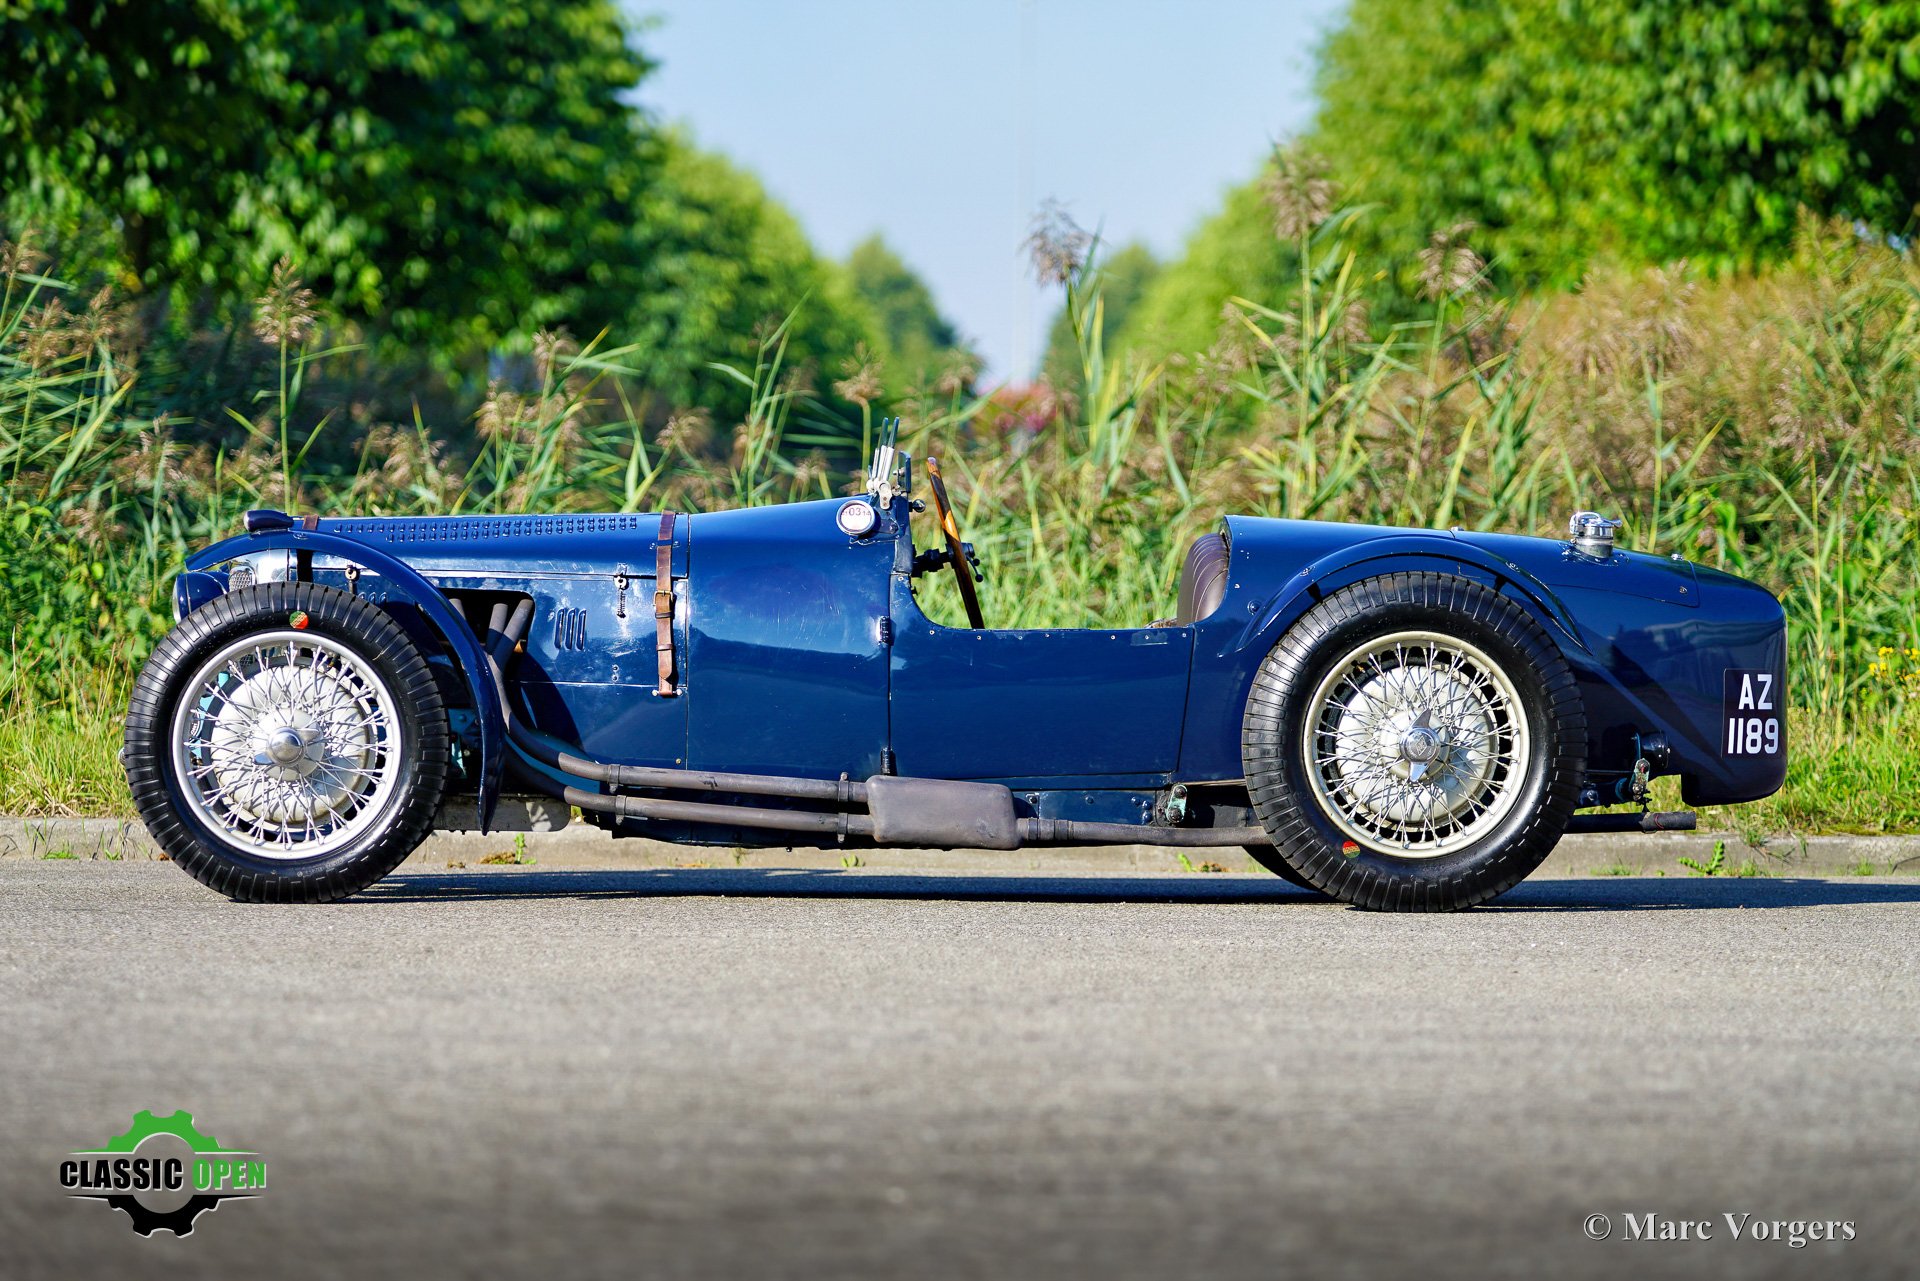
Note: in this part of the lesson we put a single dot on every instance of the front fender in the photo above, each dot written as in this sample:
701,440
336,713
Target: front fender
402,580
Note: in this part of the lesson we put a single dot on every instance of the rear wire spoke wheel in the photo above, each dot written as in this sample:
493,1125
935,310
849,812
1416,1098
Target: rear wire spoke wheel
1414,742
287,742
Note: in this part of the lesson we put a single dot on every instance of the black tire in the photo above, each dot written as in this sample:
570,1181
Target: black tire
421,755
1310,840
1267,857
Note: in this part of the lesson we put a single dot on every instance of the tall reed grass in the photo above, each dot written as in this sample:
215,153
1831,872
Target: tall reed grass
1766,426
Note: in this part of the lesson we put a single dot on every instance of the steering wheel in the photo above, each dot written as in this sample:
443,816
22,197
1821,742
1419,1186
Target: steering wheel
963,566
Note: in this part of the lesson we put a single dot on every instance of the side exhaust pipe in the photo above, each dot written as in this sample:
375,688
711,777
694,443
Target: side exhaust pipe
928,812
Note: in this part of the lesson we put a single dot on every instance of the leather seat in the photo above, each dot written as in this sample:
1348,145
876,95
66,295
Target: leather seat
1203,579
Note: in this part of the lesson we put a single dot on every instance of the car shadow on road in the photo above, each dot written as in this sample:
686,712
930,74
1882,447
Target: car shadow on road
776,883
1699,893
1624,894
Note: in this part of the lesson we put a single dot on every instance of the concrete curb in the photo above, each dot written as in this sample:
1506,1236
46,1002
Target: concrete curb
581,845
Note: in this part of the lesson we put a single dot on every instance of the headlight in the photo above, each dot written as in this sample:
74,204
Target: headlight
261,567
856,518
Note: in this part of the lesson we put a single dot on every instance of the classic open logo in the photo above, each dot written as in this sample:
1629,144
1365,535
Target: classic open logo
164,1173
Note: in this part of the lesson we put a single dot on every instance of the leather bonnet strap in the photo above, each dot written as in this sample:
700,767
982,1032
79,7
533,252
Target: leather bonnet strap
663,603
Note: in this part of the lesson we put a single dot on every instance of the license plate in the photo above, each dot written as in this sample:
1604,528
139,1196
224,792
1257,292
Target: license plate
1751,714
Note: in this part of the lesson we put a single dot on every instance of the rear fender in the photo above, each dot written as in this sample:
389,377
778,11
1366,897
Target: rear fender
1232,641
403,581
1411,553
1624,703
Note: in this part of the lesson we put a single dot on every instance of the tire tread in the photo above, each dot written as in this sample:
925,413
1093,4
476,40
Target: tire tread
340,616
1290,815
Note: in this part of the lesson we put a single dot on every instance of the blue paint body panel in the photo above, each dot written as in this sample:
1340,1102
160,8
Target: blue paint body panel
1023,707
787,672
802,651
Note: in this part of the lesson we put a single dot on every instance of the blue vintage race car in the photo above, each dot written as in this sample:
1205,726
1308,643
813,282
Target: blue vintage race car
1404,719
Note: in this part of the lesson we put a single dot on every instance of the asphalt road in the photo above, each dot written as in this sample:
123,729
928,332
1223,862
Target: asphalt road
746,1073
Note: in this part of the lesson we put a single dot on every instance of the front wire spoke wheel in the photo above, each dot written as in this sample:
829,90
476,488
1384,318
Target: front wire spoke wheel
287,744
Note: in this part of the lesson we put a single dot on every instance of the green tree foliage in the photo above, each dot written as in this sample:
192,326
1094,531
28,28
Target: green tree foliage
454,175
1760,109
721,265
917,343
436,167
1574,131
138,119
1124,277
1628,129
485,149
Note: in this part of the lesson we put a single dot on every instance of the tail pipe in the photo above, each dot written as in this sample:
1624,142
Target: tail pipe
1646,821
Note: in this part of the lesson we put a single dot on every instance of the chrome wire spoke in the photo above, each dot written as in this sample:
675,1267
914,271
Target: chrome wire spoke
285,745
1416,744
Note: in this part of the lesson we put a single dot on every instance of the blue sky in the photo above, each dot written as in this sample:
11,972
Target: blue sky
944,126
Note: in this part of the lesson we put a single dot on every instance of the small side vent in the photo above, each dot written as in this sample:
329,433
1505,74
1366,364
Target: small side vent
569,629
